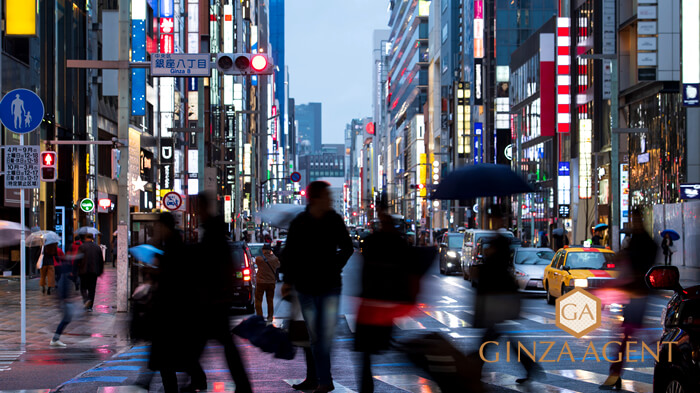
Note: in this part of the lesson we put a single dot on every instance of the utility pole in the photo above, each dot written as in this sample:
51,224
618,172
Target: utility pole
123,134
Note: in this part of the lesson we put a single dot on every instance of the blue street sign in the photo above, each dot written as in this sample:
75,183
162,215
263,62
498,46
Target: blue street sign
21,111
564,168
295,177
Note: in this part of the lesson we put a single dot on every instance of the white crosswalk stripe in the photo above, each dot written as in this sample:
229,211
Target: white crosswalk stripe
598,379
508,381
7,358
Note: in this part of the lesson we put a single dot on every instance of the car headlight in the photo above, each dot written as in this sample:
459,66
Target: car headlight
452,254
519,273
581,283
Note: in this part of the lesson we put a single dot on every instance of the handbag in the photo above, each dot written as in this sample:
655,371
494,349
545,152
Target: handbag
40,261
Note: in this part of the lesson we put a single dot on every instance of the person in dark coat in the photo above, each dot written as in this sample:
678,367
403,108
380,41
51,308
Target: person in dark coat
597,239
64,281
215,286
90,267
635,261
497,298
385,254
318,247
666,245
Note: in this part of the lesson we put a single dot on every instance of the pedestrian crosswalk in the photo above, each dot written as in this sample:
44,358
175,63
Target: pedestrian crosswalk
7,358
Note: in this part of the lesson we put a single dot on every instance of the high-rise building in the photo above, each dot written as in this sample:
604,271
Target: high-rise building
277,43
309,130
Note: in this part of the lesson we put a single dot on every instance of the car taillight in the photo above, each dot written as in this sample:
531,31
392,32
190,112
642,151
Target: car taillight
247,263
610,266
246,274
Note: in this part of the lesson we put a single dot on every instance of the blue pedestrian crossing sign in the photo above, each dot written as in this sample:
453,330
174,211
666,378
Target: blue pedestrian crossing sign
21,111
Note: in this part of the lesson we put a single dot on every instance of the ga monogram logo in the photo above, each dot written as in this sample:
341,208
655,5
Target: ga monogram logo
578,313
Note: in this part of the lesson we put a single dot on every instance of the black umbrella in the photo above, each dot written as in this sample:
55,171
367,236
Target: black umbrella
480,180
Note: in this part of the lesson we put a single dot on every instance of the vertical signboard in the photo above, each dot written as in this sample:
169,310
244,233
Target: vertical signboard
478,29
690,52
20,17
167,169
547,85
564,183
138,53
478,143
624,194
478,82
563,75
585,154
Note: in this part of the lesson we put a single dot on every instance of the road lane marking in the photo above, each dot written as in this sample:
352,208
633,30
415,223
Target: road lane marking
338,387
643,370
410,383
408,323
447,300
7,358
598,379
447,319
508,381
537,318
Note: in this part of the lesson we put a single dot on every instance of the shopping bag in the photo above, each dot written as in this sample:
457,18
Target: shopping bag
40,261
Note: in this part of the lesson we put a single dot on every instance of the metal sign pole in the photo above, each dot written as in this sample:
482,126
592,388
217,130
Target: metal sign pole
22,266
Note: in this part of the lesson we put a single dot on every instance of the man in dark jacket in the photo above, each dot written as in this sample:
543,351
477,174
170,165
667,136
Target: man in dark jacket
90,266
318,247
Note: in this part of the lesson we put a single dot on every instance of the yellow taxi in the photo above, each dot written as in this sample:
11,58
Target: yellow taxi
578,267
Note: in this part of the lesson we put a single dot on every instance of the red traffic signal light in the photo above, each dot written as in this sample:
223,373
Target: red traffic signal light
302,192
48,166
420,186
244,63
258,62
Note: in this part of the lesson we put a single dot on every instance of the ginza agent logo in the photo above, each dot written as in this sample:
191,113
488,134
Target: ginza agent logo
578,313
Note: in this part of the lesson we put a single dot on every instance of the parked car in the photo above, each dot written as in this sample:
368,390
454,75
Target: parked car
255,249
468,256
244,279
681,324
578,266
528,267
450,250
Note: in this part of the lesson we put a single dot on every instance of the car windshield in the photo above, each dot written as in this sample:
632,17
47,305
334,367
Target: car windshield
455,241
534,257
588,260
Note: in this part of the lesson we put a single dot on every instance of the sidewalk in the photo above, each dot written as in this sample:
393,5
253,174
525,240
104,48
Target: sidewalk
101,327
690,276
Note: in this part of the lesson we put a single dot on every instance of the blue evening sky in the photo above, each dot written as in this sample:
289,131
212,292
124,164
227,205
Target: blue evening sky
329,55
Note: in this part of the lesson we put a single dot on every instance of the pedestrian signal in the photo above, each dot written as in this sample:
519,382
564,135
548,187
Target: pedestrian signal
244,63
48,166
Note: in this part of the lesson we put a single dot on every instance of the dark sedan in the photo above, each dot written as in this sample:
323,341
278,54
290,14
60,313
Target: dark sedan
450,252
681,324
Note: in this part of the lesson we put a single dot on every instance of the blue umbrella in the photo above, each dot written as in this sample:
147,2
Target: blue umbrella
145,253
601,227
480,180
673,234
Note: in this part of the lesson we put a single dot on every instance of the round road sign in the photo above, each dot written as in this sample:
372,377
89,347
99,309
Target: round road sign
87,205
295,177
21,111
172,201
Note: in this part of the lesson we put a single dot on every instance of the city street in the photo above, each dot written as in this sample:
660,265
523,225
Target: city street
99,358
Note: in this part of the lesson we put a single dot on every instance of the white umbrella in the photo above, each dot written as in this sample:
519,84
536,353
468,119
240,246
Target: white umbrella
86,230
10,233
281,215
42,238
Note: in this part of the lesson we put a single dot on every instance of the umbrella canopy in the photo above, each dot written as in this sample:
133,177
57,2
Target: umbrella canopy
601,227
42,238
10,233
145,253
480,180
673,234
281,215
86,230
558,232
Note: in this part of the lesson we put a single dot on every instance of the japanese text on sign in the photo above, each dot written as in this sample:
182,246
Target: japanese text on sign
174,64
22,167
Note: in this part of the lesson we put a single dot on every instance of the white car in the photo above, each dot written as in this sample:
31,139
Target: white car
528,268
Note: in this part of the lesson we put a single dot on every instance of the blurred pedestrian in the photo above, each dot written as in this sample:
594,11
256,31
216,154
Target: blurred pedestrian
90,267
635,261
214,280
544,240
114,251
266,278
385,255
597,239
47,271
318,247
667,247
497,298
72,255
65,276
170,321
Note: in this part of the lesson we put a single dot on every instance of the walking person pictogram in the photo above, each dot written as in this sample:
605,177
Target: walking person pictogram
17,110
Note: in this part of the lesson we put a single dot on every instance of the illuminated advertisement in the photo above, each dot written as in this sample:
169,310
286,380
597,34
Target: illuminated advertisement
167,40
690,20
585,150
563,76
478,78
478,143
478,29
138,53
166,8
20,17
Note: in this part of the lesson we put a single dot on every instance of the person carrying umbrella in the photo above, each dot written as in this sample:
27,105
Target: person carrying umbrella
597,239
90,266
667,244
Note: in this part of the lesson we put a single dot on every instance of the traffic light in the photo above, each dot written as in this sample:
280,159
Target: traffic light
48,166
244,63
302,193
